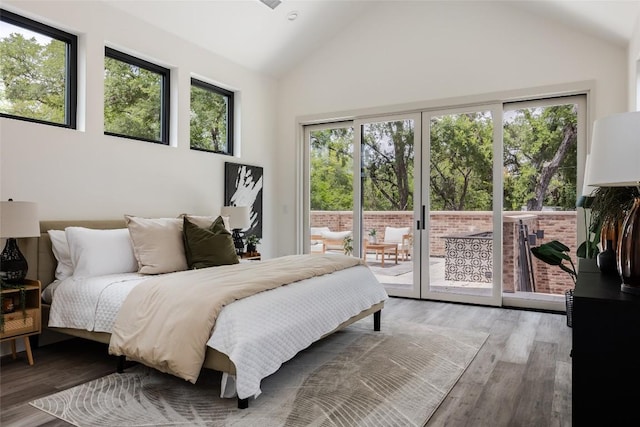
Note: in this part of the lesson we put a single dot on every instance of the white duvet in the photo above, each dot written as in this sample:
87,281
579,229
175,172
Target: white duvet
258,333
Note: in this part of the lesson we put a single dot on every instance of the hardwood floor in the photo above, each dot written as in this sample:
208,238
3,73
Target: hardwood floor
520,377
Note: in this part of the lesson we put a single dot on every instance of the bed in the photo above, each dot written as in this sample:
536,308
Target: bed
333,300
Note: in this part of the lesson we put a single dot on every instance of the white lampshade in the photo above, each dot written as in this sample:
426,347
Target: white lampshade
614,159
239,216
19,219
587,190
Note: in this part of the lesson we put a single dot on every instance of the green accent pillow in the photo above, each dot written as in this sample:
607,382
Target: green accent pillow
208,247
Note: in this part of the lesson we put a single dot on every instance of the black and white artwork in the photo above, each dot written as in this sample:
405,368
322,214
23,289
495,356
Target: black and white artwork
243,187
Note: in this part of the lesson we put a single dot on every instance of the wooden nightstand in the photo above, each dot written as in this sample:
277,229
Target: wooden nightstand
22,325
251,256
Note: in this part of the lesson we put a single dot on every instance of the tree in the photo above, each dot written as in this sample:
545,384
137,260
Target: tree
208,129
33,78
461,176
331,177
388,165
132,100
540,158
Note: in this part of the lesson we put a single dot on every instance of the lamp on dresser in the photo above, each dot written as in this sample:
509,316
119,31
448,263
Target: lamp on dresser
17,220
239,219
614,161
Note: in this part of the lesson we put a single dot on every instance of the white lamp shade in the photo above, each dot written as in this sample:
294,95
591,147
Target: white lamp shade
587,190
19,219
614,160
239,216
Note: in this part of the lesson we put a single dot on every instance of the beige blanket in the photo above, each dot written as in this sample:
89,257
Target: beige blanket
166,321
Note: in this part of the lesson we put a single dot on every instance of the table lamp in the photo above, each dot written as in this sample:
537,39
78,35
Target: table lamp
614,161
239,219
17,220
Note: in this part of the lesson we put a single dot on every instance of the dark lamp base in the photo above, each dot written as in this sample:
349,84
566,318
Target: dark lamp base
13,265
237,241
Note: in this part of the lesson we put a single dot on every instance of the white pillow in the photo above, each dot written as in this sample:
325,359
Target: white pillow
394,234
336,235
157,243
99,252
319,231
60,249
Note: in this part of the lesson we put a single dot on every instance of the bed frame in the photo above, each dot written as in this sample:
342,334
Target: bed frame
215,360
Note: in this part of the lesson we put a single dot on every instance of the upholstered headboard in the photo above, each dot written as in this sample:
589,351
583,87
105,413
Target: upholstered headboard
45,261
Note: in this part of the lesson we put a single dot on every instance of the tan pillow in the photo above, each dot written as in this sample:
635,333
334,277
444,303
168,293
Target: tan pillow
157,244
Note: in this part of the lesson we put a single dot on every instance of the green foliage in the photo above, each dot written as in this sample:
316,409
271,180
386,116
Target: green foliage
540,158
539,162
208,129
610,204
332,169
132,100
556,253
461,162
253,239
347,245
388,166
32,77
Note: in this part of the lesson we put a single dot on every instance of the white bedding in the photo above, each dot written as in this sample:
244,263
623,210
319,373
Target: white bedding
274,325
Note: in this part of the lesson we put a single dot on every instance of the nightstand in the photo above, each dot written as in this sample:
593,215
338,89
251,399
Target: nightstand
251,256
19,324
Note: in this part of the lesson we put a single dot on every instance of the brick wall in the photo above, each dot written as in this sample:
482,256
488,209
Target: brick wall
559,226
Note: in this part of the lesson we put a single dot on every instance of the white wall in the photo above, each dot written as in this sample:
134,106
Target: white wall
634,68
406,52
75,174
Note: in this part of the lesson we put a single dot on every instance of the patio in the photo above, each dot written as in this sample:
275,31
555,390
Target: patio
555,225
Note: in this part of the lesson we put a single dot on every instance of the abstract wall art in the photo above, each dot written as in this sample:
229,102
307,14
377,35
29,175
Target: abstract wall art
243,187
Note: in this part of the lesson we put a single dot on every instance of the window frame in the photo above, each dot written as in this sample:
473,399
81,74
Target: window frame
71,67
165,93
229,95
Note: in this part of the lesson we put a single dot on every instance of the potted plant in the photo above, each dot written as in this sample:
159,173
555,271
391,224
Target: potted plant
556,253
252,241
372,235
610,205
347,245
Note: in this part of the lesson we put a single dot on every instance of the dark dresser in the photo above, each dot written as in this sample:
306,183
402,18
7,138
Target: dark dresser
606,351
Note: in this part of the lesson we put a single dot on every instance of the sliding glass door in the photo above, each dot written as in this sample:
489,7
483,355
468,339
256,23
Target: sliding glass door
543,158
462,188
447,204
389,147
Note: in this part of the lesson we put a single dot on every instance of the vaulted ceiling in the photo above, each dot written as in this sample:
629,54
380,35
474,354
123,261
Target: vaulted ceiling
263,39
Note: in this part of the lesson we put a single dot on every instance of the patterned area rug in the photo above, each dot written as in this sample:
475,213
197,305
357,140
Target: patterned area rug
391,268
355,377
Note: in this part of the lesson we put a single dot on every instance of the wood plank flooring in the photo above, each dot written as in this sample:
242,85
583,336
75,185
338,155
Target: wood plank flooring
520,377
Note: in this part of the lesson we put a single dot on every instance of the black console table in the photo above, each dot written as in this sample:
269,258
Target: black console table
606,346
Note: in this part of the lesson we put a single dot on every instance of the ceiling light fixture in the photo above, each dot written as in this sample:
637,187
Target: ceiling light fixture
293,15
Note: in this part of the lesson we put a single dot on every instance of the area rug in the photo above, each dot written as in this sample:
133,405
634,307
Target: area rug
355,377
390,268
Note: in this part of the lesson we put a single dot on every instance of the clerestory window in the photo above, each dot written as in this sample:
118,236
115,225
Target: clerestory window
211,126
38,68
136,98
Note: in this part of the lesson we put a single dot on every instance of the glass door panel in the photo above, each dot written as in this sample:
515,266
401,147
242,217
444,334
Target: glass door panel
387,187
331,194
463,243
543,141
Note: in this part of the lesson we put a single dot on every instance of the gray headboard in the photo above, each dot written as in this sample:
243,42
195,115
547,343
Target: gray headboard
45,261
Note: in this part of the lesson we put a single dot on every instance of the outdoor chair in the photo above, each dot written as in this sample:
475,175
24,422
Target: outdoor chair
323,239
402,237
